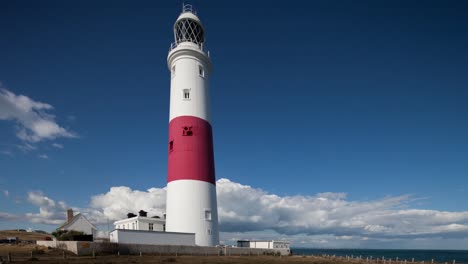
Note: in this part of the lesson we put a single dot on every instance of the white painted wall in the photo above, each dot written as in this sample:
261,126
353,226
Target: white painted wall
187,202
151,237
140,223
261,244
184,62
81,224
265,244
281,244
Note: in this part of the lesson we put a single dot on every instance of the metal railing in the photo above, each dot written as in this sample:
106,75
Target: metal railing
200,46
188,8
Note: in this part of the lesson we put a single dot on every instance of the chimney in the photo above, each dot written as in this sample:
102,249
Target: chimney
142,213
130,215
69,215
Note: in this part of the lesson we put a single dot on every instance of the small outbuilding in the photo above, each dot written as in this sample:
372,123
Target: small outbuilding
282,247
78,222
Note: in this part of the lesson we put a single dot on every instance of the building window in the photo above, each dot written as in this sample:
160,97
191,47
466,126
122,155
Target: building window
186,94
209,231
201,72
173,71
164,227
208,215
150,226
187,131
171,145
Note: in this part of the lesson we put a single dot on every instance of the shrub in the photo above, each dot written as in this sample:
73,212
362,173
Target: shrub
67,235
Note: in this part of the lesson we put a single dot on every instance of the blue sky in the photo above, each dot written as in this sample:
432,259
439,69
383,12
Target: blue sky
366,98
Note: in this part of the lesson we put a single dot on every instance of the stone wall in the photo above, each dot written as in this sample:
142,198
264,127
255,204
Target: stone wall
86,248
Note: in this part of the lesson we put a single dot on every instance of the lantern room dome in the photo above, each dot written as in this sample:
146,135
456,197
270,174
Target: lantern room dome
188,27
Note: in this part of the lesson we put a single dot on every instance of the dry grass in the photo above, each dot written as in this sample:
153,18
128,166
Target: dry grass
20,249
31,253
22,235
22,254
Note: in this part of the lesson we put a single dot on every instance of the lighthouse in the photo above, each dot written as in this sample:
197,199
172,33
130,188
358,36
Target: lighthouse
191,186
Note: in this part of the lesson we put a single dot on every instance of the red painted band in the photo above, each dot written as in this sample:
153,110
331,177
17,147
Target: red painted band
190,150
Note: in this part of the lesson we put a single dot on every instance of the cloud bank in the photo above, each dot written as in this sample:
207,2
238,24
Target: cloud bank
50,211
247,212
119,201
243,208
34,123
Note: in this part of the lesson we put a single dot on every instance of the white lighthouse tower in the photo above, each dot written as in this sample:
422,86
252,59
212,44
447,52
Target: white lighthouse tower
191,186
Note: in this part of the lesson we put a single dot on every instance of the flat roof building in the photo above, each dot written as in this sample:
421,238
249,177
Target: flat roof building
283,247
144,230
141,222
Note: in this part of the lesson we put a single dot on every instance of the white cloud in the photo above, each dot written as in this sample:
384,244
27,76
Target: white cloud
332,214
7,216
243,208
26,147
113,205
249,213
50,211
43,156
34,123
57,145
119,201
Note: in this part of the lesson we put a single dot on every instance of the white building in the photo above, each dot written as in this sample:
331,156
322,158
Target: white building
141,222
127,236
147,231
78,222
282,247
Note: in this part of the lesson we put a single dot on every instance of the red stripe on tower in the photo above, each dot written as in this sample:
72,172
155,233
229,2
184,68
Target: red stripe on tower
190,150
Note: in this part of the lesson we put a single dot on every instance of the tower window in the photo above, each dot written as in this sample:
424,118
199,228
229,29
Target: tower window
207,215
173,71
201,72
187,131
186,94
150,226
171,145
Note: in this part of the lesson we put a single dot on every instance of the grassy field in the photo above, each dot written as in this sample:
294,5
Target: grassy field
31,253
23,235
22,254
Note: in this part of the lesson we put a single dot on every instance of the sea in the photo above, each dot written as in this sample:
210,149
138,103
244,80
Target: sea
440,256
